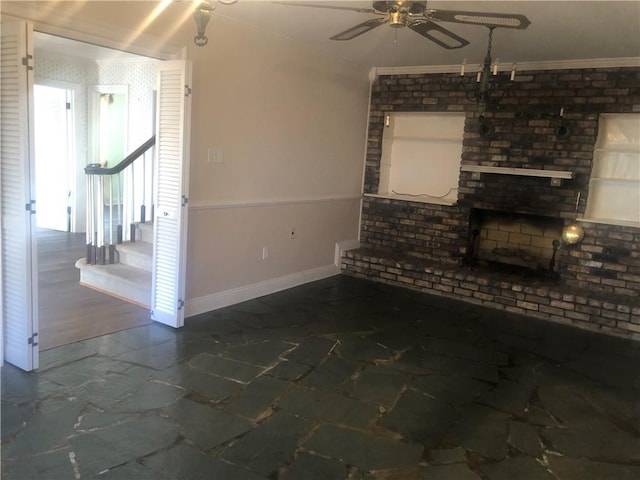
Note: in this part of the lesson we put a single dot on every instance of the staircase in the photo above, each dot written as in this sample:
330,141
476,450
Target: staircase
130,278
117,198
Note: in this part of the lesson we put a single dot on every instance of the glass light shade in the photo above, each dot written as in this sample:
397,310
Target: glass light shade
201,15
573,234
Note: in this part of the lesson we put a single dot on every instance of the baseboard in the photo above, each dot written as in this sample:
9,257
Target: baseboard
209,303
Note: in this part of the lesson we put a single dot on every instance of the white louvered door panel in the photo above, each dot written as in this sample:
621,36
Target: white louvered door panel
19,269
170,227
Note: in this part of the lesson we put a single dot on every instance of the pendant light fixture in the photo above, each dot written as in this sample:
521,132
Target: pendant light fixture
482,89
201,15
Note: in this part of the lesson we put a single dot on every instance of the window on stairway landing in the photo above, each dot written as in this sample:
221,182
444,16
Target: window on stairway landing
421,155
614,185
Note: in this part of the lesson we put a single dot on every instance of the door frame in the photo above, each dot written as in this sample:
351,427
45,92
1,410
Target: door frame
75,170
98,34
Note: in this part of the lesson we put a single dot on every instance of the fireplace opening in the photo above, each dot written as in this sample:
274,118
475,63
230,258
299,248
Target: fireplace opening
514,242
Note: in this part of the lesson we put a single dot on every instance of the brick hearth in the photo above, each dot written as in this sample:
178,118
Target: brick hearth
537,297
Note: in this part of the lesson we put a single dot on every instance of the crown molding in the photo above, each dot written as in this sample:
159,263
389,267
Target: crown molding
521,67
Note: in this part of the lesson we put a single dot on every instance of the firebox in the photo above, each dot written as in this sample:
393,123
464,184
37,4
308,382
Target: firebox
522,241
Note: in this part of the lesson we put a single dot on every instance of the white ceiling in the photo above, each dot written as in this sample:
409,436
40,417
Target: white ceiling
44,42
559,31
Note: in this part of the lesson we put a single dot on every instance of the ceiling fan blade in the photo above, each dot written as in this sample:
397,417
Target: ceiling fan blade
361,28
317,5
503,20
437,34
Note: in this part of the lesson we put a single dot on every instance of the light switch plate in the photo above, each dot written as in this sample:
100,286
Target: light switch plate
215,155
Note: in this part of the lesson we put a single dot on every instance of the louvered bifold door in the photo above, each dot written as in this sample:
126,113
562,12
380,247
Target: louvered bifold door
171,184
19,269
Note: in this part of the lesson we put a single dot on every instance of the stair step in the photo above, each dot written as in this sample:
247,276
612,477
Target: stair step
128,283
136,254
144,232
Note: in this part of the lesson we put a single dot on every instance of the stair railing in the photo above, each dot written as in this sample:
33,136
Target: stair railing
118,196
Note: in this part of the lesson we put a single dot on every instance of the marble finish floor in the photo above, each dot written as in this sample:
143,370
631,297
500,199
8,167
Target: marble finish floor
338,379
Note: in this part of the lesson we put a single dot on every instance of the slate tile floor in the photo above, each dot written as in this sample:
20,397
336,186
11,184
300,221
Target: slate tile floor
338,379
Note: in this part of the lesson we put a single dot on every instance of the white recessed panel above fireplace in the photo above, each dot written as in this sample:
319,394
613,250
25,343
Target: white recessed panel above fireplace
421,155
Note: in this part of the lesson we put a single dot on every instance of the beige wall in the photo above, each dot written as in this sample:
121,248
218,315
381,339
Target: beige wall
291,124
226,245
292,129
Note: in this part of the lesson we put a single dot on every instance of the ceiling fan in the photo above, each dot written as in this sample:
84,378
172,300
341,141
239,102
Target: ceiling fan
421,20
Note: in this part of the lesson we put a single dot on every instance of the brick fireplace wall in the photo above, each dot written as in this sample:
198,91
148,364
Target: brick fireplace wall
423,246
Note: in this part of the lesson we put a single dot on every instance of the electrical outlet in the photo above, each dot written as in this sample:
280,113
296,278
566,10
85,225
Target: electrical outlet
292,233
265,253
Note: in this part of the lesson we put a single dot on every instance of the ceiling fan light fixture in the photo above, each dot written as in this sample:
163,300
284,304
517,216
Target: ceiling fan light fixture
398,19
410,7
416,16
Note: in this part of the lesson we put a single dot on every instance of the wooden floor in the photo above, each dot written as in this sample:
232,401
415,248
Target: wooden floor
67,311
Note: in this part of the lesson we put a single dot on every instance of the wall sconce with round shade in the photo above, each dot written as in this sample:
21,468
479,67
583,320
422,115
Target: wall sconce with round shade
574,233
201,15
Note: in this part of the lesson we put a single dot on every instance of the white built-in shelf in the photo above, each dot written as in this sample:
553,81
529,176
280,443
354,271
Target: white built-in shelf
523,172
414,198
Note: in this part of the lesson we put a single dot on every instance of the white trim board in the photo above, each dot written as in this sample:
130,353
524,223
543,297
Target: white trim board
234,296
413,198
520,67
523,172
271,202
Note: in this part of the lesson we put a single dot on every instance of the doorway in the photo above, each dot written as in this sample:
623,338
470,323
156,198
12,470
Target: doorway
20,335
54,141
70,133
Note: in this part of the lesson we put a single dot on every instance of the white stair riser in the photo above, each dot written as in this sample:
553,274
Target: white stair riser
129,284
130,278
144,232
139,255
